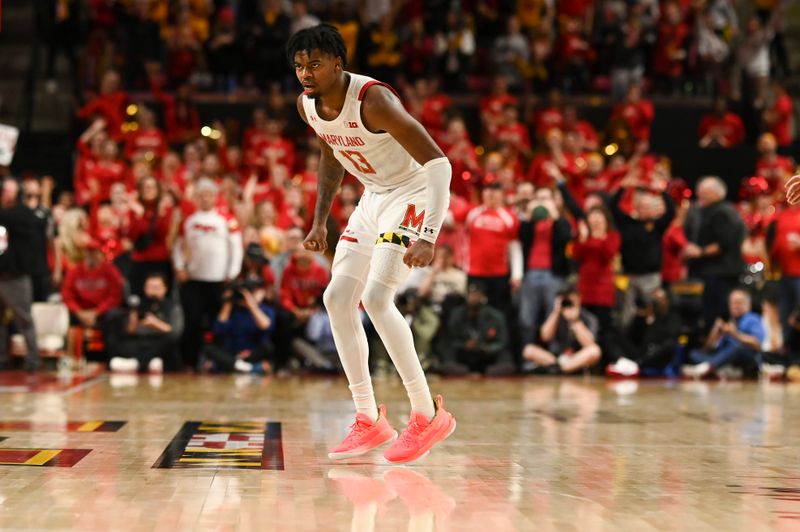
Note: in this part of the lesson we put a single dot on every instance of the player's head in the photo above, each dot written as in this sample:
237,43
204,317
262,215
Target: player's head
318,56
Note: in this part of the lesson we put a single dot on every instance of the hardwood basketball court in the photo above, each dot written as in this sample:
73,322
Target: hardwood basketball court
242,453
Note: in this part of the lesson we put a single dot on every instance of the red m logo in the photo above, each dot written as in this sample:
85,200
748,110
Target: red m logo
410,219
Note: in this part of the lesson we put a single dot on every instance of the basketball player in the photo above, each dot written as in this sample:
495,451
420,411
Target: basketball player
793,190
364,129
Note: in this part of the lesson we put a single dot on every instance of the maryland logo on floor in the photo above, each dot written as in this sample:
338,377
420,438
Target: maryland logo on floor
232,445
42,457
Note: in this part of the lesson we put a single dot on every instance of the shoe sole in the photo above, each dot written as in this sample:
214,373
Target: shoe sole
361,450
423,455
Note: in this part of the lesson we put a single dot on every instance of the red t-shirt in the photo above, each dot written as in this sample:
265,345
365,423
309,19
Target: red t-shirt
672,246
253,136
670,38
782,129
302,288
586,131
489,233
775,171
514,134
279,150
730,126
595,274
180,117
110,239
638,116
547,119
434,110
152,140
85,163
541,254
264,191
140,226
574,8
573,46
494,104
111,107
787,230
536,172
106,173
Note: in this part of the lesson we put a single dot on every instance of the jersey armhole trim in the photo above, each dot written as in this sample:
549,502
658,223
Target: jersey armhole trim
370,83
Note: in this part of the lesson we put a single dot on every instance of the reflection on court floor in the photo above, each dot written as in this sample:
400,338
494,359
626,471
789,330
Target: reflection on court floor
544,454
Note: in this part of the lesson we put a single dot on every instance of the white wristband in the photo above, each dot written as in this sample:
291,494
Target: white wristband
438,198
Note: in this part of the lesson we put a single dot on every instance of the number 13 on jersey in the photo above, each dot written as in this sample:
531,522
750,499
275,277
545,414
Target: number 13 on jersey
358,160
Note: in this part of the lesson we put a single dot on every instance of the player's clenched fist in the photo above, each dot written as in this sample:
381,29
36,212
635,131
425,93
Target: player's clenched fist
317,239
793,190
419,255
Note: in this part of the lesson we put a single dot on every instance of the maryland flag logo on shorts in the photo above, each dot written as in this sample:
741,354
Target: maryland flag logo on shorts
394,238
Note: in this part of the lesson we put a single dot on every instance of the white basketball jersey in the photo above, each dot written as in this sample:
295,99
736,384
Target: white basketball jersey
375,159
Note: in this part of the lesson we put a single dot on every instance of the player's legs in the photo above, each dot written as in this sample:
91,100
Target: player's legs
387,272
349,271
341,299
400,222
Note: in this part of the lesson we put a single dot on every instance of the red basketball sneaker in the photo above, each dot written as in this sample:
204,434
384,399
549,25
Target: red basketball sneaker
364,436
420,435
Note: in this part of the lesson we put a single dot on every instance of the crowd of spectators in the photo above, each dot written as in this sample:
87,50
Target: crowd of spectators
569,246
576,46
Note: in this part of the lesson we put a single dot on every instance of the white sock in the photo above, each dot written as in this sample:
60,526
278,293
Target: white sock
396,334
341,301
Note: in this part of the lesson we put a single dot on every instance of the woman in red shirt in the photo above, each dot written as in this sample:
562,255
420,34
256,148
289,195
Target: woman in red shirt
149,229
594,251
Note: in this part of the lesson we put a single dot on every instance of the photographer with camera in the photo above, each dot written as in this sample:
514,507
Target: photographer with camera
569,333
148,334
734,342
476,339
650,340
242,332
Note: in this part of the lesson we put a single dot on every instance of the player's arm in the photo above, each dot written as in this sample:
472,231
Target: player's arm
329,178
383,111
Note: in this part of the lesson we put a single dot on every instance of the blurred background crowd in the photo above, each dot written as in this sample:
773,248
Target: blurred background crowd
571,245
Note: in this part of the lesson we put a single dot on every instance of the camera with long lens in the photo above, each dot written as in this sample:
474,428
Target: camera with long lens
246,284
142,306
567,300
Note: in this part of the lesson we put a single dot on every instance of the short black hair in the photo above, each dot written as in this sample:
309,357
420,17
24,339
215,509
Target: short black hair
322,37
